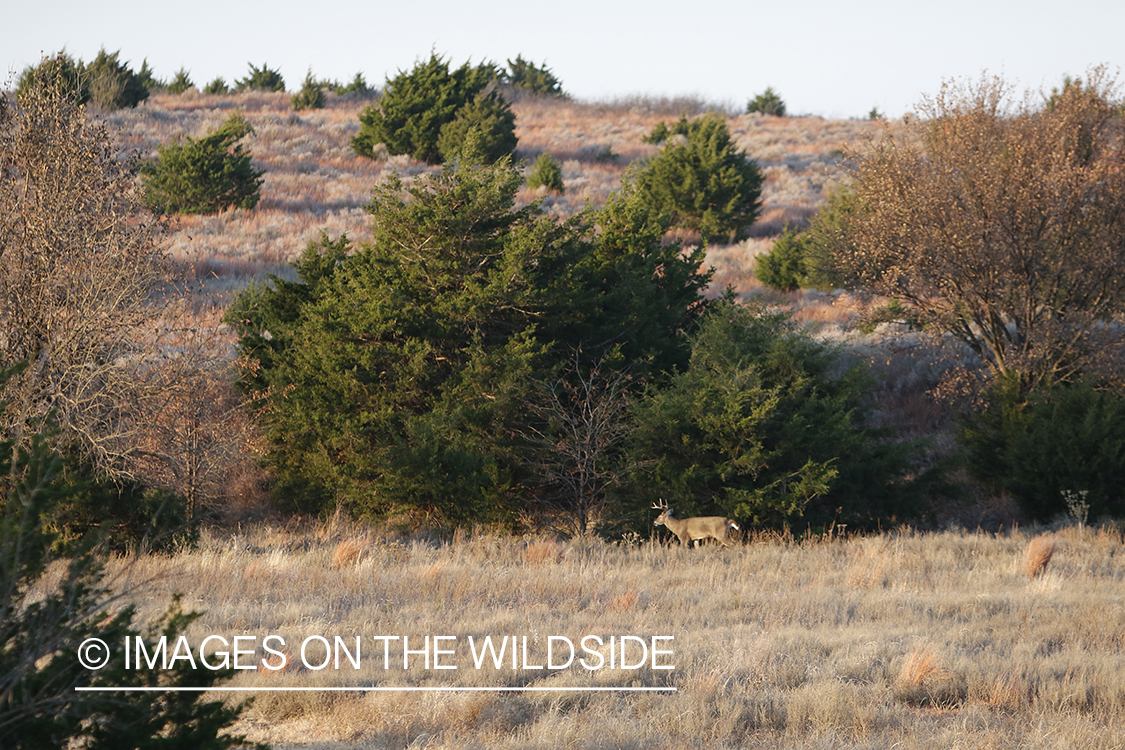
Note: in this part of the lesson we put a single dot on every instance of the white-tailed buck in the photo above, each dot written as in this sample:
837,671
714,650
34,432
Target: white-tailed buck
690,530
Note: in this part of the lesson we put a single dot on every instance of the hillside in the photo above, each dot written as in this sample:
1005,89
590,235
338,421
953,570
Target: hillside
315,181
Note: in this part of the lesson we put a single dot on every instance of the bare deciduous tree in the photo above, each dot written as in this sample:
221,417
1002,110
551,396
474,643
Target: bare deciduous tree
583,421
79,264
194,433
1003,223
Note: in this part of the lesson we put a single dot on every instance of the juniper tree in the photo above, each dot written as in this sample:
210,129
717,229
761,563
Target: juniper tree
700,179
417,106
204,175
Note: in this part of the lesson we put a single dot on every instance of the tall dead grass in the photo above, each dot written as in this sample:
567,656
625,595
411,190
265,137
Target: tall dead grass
909,640
1038,555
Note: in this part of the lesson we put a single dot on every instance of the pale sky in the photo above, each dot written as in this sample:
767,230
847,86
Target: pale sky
834,58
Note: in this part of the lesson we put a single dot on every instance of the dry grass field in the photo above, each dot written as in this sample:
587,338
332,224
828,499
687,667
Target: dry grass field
906,640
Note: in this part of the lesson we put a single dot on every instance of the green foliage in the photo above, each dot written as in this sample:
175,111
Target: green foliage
408,359
217,86
769,102
525,75
147,79
648,295
784,267
53,599
105,82
358,88
417,106
546,172
806,259
399,375
61,74
126,514
112,84
495,126
205,175
762,427
261,79
311,95
699,180
606,156
181,82
1069,439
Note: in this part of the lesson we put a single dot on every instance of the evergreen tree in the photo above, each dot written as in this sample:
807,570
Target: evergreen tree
311,95
261,79
417,105
700,180
204,175
181,82
113,84
769,102
527,76
759,427
399,373
217,86
494,122
546,173
52,599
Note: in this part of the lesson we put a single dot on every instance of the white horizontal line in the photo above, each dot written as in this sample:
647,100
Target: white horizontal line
384,689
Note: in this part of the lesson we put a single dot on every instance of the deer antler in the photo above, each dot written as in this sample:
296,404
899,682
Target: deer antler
662,505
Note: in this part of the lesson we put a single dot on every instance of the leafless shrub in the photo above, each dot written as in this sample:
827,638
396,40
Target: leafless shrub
79,264
938,197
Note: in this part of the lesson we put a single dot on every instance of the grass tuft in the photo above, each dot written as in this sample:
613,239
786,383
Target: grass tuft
924,682
348,552
1038,556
